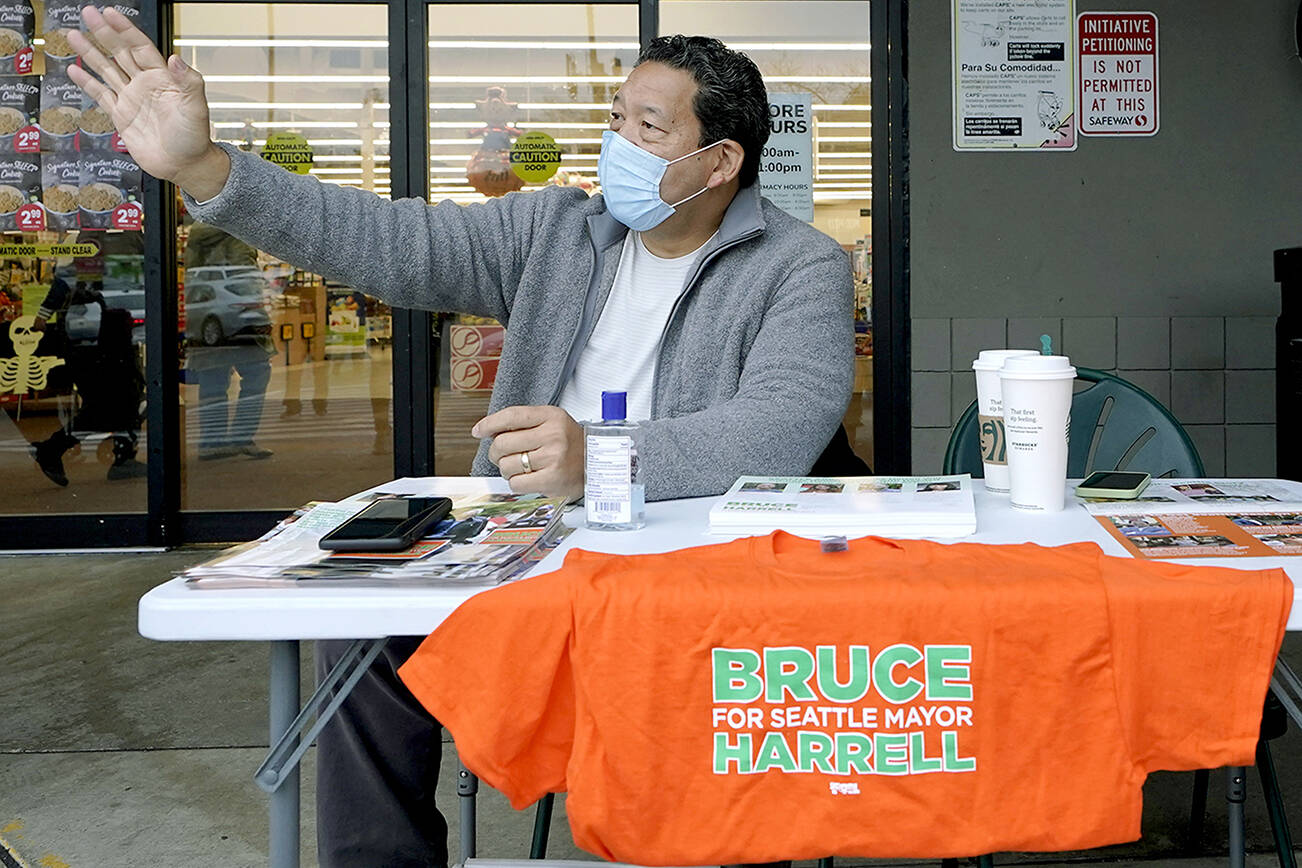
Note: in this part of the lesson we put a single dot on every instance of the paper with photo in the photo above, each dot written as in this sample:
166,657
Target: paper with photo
1194,535
917,506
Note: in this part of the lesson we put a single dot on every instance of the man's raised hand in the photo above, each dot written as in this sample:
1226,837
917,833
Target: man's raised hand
157,105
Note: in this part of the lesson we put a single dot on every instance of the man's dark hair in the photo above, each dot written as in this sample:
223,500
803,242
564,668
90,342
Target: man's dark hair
731,101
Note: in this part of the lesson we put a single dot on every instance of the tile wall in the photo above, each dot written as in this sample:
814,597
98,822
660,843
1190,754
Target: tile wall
1215,374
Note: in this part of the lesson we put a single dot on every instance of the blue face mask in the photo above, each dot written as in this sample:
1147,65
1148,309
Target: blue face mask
630,182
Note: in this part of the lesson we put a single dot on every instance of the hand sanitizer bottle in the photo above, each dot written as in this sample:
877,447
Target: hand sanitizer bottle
613,493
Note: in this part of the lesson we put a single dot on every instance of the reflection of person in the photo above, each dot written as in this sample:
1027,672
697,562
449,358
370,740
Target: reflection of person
106,372
243,348
724,319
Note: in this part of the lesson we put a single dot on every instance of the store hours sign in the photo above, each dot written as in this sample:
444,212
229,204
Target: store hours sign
787,161
1118,73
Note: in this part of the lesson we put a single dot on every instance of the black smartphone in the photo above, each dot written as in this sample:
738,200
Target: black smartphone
1113,484
387,525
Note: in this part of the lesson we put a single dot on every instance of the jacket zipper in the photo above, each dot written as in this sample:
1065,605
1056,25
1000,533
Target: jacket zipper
673,311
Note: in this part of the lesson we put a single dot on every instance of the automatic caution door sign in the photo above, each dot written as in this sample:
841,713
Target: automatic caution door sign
289,150
1118,73
535,157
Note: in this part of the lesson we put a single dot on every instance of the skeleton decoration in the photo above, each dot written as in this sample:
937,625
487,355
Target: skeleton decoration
25,371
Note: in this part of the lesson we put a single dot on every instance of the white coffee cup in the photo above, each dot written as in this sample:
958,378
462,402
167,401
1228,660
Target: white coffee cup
990,416
1037,394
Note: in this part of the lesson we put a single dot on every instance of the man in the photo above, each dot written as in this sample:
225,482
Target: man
726,320
245,354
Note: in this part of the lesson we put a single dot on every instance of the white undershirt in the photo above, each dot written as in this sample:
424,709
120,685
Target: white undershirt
621,353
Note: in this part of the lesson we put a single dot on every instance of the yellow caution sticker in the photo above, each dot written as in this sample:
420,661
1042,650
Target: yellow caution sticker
290,150
535,157
75,250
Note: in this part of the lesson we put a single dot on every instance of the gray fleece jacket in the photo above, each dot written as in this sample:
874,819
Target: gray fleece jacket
756,364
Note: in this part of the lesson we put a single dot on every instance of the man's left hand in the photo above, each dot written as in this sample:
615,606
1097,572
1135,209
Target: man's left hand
537,449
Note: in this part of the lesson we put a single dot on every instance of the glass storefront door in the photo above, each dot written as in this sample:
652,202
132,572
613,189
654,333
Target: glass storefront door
72,290
285,388
500,72
285,375
816,50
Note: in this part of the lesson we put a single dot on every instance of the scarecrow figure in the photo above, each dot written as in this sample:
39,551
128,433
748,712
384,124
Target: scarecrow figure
489,170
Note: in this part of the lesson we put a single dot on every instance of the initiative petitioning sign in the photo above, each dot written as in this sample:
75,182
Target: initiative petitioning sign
1118,73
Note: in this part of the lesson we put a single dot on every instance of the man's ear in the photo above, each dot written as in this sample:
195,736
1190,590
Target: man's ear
728,166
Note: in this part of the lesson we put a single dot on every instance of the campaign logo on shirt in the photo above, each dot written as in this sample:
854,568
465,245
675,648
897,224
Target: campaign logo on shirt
841,711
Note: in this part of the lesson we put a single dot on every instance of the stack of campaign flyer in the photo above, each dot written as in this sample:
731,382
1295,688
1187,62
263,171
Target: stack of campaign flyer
489,536
896,506
1206,518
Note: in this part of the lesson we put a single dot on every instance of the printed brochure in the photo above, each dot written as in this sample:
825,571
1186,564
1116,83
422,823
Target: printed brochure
1191,518
488,537
899,506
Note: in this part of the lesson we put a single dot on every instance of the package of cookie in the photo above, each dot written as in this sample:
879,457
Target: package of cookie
60,188
60,117
17,32
97,132
109,193
20,190
61,18
20,96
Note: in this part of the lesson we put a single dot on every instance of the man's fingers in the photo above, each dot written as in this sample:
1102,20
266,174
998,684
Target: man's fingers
142,52
116,33
94,88
95,59
106,40
183,73
515,442
530,483
511,419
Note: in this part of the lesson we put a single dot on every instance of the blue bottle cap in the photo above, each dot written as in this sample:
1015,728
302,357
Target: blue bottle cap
614,406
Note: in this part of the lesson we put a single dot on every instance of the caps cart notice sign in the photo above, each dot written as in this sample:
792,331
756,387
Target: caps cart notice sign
289,150
1013,70
1118,73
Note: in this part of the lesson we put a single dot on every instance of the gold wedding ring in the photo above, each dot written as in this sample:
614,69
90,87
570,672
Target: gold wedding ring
524,462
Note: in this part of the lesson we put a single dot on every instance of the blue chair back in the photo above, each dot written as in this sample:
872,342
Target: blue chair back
1115,425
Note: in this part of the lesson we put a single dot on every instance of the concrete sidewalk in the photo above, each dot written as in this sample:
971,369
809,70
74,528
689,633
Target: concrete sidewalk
119,752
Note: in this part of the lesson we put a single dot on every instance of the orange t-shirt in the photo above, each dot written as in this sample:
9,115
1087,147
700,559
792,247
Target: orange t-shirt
761,699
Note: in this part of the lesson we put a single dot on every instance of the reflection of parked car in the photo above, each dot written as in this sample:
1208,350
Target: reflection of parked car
84,313
215,273
231,310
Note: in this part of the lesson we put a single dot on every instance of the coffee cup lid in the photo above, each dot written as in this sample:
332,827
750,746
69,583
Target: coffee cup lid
993,360
1037,367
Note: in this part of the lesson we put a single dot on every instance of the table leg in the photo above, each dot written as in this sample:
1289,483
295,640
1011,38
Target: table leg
284,799
467,787
1235,792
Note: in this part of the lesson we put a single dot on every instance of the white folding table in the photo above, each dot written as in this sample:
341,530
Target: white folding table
285,616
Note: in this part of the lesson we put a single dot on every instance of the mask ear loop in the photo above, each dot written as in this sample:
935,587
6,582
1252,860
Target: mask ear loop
694,153
689,198
684,157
